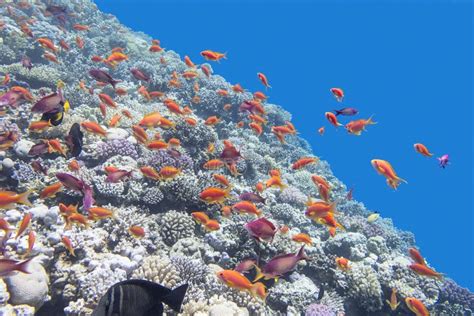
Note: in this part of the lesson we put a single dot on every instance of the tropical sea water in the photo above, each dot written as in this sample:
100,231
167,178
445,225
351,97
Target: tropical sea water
398,65
408,64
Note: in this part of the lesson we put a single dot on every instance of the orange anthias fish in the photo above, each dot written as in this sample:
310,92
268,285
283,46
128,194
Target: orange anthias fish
151,120
342,263
137,231
416,306
39,126
275,181
188,62
222,179
150,172
385,168
68,244
303,162
94,128
393,303
25,222
96,213
338,93
239,282
200,217
302,237
173,107
422,150
321,131
213,195
212,120
332,118
107,99
356,127
423,270
319,209
213,164
257,128
80,27
214,56
47,44
246,207
157,145
264,80
237,88
8,199
169,172
79,42
51,190
416,256
212,225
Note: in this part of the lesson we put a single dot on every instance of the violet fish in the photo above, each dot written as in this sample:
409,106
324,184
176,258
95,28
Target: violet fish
10,98
139,75
346,111
88,199
261,229
443,161
116,176
49,103
280,265
252,197
103,76
9,266
245,266
70,181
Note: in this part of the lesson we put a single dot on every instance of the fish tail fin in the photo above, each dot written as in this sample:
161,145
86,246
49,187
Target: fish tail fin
302,255
339,225
370,120
23,266
337,112
175,298
114,82
259,275
332,208
258,290
402,180
224,55
23,199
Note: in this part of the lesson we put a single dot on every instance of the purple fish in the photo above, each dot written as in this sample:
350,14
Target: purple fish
50,103
252,197
280,265
26,62
103,76
116,176
70,181
230,154
88,199
174,153
443,161
11,98
39,149
261,229
346,111
245,266
8,266
139,75
38,167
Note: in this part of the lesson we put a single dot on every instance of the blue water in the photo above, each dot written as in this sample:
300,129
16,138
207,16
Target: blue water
409,64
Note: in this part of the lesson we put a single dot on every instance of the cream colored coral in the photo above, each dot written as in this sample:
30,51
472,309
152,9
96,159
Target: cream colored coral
159,270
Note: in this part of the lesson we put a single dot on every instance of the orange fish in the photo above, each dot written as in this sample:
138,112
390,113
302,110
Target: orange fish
342,263
423,270
68,244
257,119
222,179
416,306
47,44
422,150
191,121
356,127
324,192
260,96
51,57
275,181
174,142
117,50
338,93
103,109
213,164
116,57
77,218
303,162
166,123
96,213
211,148
51,190
5,226
79,42
31,242
80,27
127,114
239,282
121,91
259,187
155,48
150,172
212,120
6,80
169,172
74,165
188,62
56,146
140,134
39,126
237,88
246,207
107,99
226,211
200,217
137,231
227,106
416,256
151,120
263,79
213,195
332,118
25,222
256,127
240,124
319,209
222,92
115,120
196,99
385,168
284,229
190,75
321,131
318,180
94,128
206,70
173,107
213,56
64,45
393,303
97,59
212,225
302,237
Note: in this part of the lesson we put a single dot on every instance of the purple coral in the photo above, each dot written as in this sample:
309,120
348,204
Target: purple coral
163,158
319,310
114,147
453,293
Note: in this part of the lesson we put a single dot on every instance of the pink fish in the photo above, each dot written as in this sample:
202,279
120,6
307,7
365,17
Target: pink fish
116,176
280,265
70,181
245,266
443,161
261,229
11,98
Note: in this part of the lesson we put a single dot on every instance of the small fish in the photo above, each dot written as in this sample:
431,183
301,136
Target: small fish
8,199
356,127
338,93
213,195
332,119
188,62
26,62
9,266
116,176
423,270
420,148
80,27
169,172
79,219
213,164
213,56
212,120
94,128
416,256
31,242
261,229
212,225
136,231
263,80
303,162
342,263
68,244
239,282
107,99
51,190
349,194
319,209
260,96
46,43
97,212
155,48
252,197
38,167
393,303
245,265
443,161
346,111
246,207
206,70
74,140
280,265
25,222
79,42
222,179
103,76
385,168
373,217
70,181
139,297
260,187
303,238
88,198
416,306
138,74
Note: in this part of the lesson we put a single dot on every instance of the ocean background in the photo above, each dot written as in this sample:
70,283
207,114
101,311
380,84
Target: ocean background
408,64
